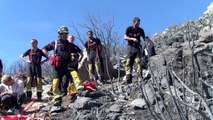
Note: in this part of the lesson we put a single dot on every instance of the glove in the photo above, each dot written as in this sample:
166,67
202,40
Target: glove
90,86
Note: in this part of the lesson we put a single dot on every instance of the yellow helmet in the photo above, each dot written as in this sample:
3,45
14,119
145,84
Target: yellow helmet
62,30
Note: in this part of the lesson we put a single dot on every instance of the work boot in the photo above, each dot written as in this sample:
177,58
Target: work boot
57,101
128,79
39,96
64,94
100,80
50,93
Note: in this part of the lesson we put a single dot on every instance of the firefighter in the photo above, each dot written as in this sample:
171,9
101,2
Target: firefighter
133,37
34,68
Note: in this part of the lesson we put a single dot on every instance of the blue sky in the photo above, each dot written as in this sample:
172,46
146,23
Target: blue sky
22,20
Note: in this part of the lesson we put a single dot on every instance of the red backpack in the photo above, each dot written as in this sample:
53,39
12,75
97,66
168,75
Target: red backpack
55,60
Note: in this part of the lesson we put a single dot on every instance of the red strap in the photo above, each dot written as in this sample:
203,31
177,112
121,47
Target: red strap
19,116
96,51
29,105
14,118
88,44
38,56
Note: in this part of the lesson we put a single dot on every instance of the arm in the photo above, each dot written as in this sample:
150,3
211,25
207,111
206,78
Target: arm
47,54
23,56
81,56
85,44
127,37
14,94
143,34
42,62
47,48
19,87
130,38
79,51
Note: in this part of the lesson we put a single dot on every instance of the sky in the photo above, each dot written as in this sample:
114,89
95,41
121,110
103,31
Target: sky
23,20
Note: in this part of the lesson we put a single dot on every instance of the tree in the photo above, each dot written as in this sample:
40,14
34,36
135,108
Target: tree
17,67
102,29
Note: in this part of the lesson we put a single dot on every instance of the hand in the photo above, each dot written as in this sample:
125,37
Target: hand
135,40
42,62
28,61
49,56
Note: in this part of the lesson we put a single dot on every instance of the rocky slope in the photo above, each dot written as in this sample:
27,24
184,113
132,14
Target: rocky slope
180,86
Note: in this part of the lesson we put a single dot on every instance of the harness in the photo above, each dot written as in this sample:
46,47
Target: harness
96,49
73,52
38,55
59,43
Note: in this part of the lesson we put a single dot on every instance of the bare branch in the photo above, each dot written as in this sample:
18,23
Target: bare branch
191,91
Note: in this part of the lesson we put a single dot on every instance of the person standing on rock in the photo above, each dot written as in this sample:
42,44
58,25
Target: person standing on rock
34,68
94,47
62,52
73,80
133,37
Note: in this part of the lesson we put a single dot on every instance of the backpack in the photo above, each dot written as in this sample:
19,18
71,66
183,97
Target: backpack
55,60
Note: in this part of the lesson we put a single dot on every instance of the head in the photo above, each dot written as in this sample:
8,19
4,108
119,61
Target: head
90,34
63,32
136,22
7,80
71,39
34,43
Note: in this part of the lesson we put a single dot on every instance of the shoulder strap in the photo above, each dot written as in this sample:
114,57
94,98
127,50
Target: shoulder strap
88,44
56,42
38,55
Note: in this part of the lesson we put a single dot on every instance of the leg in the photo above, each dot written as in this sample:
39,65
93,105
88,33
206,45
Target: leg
98,71
7,102
137,63
91,75
39,83
29,82
56,82
28,86
128,69
65,83
20,99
